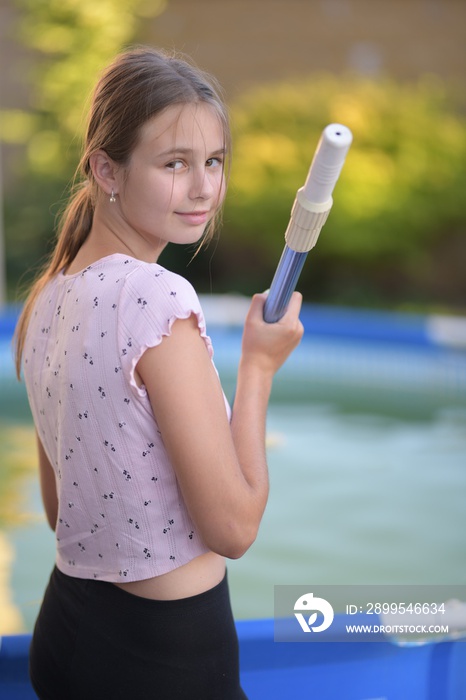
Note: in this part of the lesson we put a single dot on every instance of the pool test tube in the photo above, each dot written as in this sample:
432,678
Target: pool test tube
309,213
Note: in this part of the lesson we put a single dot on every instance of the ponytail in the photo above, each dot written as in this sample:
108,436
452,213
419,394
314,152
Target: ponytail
74,228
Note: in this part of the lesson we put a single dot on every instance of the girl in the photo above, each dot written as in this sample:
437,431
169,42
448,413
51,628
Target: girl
147,477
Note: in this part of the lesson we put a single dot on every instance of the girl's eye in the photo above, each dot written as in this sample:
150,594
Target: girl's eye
214,162
175,164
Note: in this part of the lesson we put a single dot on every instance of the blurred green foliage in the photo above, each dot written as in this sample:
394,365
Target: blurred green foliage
395,235
399,199
70,42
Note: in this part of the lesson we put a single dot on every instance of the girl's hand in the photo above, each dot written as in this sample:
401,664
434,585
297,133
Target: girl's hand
267,345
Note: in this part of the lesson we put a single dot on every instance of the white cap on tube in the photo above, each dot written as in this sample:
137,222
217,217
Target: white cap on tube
314,201
327,163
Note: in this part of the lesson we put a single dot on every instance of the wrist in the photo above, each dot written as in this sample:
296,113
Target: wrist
256,372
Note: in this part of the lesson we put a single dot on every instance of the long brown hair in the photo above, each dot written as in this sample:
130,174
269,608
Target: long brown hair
139,84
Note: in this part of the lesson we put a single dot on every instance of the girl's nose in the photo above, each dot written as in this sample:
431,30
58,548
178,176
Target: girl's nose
202,185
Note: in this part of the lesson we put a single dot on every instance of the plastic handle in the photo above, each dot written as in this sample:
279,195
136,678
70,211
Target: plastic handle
308,215
327,163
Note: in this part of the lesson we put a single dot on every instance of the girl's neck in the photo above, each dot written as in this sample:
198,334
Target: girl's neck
104,240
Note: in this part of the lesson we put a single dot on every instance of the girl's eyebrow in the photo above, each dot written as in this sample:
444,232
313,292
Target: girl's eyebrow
183,150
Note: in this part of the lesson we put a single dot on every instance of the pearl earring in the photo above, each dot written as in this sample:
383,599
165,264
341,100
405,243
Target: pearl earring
112,197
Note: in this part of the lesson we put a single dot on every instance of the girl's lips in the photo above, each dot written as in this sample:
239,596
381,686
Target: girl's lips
194,218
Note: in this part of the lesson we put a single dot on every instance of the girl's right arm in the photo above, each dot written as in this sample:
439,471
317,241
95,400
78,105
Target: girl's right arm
48,485
221,467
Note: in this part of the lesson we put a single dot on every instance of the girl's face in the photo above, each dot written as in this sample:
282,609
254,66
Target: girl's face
174,182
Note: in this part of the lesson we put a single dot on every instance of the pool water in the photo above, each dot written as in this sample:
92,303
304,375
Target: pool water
367,459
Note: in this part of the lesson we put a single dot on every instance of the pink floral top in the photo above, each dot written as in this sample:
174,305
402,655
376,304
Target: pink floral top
121,515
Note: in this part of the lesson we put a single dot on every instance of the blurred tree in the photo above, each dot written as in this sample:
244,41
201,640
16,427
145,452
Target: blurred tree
396,231
398,201
71,41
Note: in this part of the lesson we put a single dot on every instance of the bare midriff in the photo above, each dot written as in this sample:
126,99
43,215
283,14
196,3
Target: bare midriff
199,575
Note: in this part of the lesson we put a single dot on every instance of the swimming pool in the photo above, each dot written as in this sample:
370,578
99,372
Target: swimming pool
367,457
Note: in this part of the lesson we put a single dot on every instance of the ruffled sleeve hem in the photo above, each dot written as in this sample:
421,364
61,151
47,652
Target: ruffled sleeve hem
151,300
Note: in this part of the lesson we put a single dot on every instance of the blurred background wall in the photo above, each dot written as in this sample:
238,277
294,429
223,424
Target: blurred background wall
245,42
394,72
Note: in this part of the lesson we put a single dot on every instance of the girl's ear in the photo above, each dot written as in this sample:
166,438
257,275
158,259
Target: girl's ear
104,170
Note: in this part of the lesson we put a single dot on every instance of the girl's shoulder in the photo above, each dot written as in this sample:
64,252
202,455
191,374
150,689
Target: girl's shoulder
137,294
151,298
130,276
156,282
143,299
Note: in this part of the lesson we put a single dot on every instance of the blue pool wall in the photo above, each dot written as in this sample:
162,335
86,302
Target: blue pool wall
329,671
341,322
380,359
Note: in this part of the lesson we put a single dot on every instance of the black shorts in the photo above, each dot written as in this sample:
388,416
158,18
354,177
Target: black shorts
94,641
